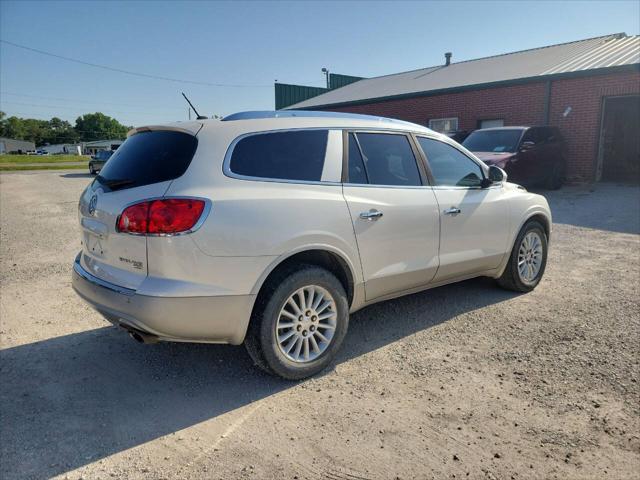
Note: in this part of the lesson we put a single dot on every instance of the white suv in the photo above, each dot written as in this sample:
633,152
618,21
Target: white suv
269,228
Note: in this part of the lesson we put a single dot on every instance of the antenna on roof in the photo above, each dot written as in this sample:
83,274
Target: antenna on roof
199,117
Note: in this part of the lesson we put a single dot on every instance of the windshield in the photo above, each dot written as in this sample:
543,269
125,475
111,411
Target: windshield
493,141
103,154
148,157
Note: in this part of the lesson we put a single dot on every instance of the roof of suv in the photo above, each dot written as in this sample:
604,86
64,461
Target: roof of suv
257,121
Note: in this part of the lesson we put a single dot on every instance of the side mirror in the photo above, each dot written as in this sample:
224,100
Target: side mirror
497,175
528,145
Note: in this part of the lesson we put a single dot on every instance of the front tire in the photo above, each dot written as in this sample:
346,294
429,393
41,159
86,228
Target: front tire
528,259
298,323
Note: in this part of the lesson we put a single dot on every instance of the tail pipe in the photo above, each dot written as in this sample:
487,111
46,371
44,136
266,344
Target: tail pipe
140,336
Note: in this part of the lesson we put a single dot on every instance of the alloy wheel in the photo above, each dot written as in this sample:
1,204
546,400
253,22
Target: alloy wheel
530,258
306,324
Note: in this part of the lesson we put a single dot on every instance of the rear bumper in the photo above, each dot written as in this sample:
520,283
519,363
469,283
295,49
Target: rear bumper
220,319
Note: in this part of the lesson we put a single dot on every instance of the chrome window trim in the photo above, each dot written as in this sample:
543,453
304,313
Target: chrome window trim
226,170
196,226
78,269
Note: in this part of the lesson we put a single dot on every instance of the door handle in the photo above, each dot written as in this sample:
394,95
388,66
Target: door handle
371,215
452,211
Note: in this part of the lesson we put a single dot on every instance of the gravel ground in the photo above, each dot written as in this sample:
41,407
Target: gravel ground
464,381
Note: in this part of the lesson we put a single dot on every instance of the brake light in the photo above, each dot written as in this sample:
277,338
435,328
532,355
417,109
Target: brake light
161,217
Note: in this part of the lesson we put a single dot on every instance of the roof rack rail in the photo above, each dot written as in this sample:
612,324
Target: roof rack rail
259,114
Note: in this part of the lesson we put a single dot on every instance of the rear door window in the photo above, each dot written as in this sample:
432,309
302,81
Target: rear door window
148,157
388,159
292,155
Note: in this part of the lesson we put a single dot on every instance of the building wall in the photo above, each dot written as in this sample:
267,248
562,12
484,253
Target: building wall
9,145
523,105
582,126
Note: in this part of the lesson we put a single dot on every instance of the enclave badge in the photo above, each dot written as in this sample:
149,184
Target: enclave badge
92,204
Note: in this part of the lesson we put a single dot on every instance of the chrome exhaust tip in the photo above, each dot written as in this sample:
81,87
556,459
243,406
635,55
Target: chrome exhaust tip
139,336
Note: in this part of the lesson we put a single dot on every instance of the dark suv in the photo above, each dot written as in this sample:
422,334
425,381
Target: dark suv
98,160
531,156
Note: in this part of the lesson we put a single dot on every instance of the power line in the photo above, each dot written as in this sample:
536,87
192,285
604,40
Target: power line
34,116
129,72
69,107
88,101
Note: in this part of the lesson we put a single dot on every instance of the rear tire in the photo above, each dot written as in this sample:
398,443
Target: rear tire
556,179
278,320
525,269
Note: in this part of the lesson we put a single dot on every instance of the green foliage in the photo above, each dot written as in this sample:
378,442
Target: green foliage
98,126
89,127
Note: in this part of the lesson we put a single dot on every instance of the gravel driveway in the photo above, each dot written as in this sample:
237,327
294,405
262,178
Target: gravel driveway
464,381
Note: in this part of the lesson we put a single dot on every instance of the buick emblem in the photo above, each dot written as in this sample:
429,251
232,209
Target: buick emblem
92,204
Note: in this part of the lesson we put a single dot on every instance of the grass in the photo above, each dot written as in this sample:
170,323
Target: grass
61,166
19,159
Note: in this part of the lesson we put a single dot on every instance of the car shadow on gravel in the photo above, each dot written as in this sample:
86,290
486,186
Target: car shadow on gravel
75,399
77,175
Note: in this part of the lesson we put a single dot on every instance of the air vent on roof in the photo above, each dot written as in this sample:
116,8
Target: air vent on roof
447,58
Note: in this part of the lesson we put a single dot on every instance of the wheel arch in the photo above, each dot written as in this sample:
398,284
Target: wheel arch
322,256
537,214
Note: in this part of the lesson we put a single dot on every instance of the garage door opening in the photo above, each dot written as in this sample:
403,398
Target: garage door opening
619,155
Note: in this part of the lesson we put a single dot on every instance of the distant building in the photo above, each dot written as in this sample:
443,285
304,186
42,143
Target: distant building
91,148
9,145
63,149
590,89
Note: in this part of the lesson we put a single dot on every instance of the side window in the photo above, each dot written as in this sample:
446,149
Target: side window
449,166
388,159
533,135
292,155
357,172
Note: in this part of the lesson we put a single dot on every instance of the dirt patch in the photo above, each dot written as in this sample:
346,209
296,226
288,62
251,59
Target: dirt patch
465,380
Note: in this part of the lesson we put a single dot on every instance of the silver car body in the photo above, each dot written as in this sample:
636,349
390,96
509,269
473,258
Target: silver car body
201,286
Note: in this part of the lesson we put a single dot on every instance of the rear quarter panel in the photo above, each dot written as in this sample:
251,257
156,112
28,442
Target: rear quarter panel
264,219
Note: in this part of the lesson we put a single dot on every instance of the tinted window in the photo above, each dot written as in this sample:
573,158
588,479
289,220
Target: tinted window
534,135
148,157
550,134
357,173
103,154
295,155
388,159
450,166
493,140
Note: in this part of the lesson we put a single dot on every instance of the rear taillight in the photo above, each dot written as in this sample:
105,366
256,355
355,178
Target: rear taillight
161,217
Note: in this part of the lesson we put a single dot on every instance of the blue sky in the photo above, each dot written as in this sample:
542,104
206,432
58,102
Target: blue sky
252,44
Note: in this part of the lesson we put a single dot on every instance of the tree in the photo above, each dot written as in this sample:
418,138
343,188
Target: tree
60,131
98,126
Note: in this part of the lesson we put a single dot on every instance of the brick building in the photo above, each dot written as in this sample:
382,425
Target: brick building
589,88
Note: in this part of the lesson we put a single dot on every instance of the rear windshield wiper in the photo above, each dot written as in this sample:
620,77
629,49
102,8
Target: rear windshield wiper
115,183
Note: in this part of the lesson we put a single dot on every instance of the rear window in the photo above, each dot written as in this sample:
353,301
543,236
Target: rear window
148,157
292,155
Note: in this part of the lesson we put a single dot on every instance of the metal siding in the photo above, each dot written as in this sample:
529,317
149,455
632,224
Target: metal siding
590,54
337,80
287,94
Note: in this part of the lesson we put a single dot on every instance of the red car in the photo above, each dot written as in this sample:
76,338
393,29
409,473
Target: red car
531,156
